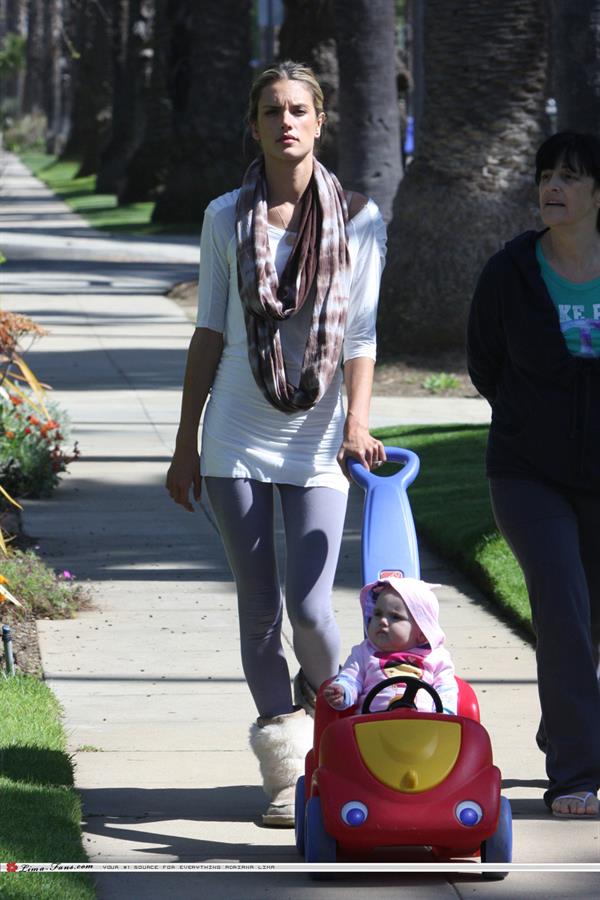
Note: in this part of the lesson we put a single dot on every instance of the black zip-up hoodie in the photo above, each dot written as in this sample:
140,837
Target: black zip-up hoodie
545,401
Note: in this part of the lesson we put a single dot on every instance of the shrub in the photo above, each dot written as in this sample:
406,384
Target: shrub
42,591
440,382
26,133
31,448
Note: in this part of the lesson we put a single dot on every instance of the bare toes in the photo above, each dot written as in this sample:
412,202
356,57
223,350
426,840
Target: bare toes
580,803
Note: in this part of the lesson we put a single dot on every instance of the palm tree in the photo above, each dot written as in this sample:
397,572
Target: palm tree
128,69
308,35
148,166
369,131
575,64
210,75
91,85
470,185
58,55
33,93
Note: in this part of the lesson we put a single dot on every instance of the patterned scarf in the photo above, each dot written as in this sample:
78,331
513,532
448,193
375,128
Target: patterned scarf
319,257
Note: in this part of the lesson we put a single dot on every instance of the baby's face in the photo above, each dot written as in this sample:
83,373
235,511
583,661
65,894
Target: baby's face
392,627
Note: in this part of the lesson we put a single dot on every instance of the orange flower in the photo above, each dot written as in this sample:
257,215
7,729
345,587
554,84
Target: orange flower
9,434
15,400
4,580
33,420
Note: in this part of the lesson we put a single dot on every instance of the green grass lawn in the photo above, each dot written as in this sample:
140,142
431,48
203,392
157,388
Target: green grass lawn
40,812
100,210
451,506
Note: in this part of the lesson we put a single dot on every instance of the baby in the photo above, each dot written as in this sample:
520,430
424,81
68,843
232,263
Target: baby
403,638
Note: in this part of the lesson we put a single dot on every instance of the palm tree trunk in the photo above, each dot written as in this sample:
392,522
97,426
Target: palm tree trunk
470,186
57,68
308,35
33,94
209,77
90,86
369,132
575,65
147,168
127,95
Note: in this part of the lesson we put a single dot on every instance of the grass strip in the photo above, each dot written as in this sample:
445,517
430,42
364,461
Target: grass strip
451,506
40,812
101,211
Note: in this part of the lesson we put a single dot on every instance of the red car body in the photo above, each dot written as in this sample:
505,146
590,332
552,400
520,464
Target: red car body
402,778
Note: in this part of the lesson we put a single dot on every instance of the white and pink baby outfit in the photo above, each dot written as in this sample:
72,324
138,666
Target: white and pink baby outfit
367,666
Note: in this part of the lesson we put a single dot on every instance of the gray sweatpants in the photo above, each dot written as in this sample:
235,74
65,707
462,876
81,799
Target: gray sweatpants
555,536
313,520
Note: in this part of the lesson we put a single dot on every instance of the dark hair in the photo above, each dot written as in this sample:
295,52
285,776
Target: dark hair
579,151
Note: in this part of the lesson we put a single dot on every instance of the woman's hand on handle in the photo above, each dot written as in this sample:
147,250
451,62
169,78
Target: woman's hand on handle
359,444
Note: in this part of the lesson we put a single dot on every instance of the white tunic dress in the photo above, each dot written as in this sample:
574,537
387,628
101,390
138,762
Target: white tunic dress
243,435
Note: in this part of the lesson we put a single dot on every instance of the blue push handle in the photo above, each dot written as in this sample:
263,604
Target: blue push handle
405,476
389,539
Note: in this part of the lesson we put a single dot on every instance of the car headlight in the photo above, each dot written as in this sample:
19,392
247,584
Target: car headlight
469,813
354,812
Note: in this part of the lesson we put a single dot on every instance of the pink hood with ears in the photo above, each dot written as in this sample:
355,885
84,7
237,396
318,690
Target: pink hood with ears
420,600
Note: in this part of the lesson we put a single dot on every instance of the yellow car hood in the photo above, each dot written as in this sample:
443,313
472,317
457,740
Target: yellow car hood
409,755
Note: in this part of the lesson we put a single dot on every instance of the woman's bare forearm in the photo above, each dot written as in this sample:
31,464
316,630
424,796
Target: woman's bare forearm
358,442
203,358
358,380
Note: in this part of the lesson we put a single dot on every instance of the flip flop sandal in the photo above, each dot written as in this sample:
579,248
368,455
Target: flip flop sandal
570,815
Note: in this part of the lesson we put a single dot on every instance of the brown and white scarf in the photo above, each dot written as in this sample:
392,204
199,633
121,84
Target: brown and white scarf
320,256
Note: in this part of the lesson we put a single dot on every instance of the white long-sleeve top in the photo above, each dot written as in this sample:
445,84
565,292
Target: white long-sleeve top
243,435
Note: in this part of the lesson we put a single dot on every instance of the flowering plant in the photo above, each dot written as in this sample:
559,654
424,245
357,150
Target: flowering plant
31,431
41,591
5,594
31,446
13,327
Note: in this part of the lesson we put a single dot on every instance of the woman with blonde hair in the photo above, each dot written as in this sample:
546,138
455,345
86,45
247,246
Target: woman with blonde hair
289,282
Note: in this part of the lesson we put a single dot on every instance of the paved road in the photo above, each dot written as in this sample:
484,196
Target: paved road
156,708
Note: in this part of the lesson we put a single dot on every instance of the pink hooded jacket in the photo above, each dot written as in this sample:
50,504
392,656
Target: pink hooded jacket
367,665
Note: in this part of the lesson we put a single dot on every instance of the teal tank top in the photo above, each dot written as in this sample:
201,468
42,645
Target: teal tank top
578,307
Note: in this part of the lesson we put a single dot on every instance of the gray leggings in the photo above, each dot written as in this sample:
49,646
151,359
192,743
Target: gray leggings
313,520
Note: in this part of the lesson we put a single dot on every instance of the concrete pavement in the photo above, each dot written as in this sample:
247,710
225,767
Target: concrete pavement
156,708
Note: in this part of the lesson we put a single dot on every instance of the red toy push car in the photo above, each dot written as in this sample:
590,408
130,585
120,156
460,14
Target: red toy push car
400,778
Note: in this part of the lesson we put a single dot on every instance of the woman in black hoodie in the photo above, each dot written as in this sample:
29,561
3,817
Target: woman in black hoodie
534,353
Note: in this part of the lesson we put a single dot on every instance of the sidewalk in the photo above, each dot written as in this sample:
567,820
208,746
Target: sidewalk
156,708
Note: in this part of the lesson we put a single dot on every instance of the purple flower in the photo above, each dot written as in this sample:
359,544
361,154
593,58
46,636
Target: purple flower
66,575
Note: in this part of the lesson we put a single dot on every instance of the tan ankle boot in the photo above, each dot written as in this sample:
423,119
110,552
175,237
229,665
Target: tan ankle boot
304,694
281,745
